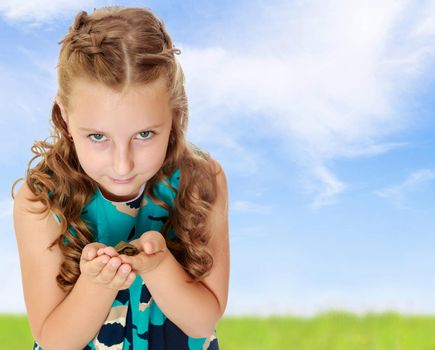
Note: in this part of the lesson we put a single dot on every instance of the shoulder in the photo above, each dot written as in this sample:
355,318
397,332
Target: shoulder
35,231
218,279
28,213
216,167
25,201
221,181
218,216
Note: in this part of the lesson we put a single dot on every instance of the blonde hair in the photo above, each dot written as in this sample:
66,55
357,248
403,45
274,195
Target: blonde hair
122,47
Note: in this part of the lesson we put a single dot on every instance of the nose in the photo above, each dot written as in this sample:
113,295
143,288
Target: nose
122,162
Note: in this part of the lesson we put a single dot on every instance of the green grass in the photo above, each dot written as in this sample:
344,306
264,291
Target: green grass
15,333
329,331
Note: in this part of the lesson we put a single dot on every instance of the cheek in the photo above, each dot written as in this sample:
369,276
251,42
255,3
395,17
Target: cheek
89,160
154,156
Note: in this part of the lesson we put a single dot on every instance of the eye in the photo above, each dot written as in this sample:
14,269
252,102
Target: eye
146,134
97,138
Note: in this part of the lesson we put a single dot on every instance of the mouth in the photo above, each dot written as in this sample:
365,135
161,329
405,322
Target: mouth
122,181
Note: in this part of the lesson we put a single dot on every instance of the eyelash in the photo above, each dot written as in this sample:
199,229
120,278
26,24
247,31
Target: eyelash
152,133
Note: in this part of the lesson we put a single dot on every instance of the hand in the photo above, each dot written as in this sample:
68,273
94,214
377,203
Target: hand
104,270
153,250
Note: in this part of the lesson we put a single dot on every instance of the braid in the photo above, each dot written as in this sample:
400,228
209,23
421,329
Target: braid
168,48
79,21
82,38
166,39
87,43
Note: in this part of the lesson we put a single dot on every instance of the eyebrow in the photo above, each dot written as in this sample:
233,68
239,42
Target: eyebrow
103,132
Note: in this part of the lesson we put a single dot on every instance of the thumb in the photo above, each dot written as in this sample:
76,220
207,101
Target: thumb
148,247
153,243
89,252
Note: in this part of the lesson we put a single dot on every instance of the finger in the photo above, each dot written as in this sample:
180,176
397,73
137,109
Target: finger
108,251
135,261
109,271
129,281
148,247
88,253
154,243
121,276
90,250
126,259
94,267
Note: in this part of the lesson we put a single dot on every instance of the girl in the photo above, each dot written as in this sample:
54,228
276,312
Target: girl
120,169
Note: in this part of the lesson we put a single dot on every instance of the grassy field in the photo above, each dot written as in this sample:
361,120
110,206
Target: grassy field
329,331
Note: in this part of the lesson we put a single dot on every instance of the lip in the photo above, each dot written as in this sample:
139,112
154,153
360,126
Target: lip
122,181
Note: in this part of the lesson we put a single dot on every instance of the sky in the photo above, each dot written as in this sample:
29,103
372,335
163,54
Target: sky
321,113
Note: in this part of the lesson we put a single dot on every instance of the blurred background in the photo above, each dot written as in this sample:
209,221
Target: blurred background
322,115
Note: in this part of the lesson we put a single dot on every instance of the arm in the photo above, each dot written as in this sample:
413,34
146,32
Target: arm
58,320
94,291
78,318
191,306
196,307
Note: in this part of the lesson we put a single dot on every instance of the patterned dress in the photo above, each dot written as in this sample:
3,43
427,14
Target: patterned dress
135,321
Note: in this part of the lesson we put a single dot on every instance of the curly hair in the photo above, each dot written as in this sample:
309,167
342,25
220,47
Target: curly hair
122,47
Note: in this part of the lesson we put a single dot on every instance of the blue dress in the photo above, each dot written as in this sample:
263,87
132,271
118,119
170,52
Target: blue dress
135,321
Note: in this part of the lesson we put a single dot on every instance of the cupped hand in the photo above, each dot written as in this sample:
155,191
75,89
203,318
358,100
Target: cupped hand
105,270
152,251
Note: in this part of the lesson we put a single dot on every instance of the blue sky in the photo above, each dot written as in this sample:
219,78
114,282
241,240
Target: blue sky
322,114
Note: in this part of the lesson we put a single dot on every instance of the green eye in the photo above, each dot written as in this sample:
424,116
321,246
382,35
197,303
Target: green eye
146,134
97,137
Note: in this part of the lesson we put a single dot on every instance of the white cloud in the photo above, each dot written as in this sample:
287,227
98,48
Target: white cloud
39,11
303,305
326,194
414,181
371,149
25,95
6,208
250,207
329,76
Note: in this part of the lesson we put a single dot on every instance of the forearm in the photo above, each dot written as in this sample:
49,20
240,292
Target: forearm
78,318
191,306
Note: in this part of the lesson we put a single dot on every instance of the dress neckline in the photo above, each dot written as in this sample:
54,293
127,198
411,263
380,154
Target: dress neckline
141,191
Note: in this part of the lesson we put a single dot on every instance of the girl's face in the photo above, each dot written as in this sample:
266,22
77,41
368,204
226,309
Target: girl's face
120,136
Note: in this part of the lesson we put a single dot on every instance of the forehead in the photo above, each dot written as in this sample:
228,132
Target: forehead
92,100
